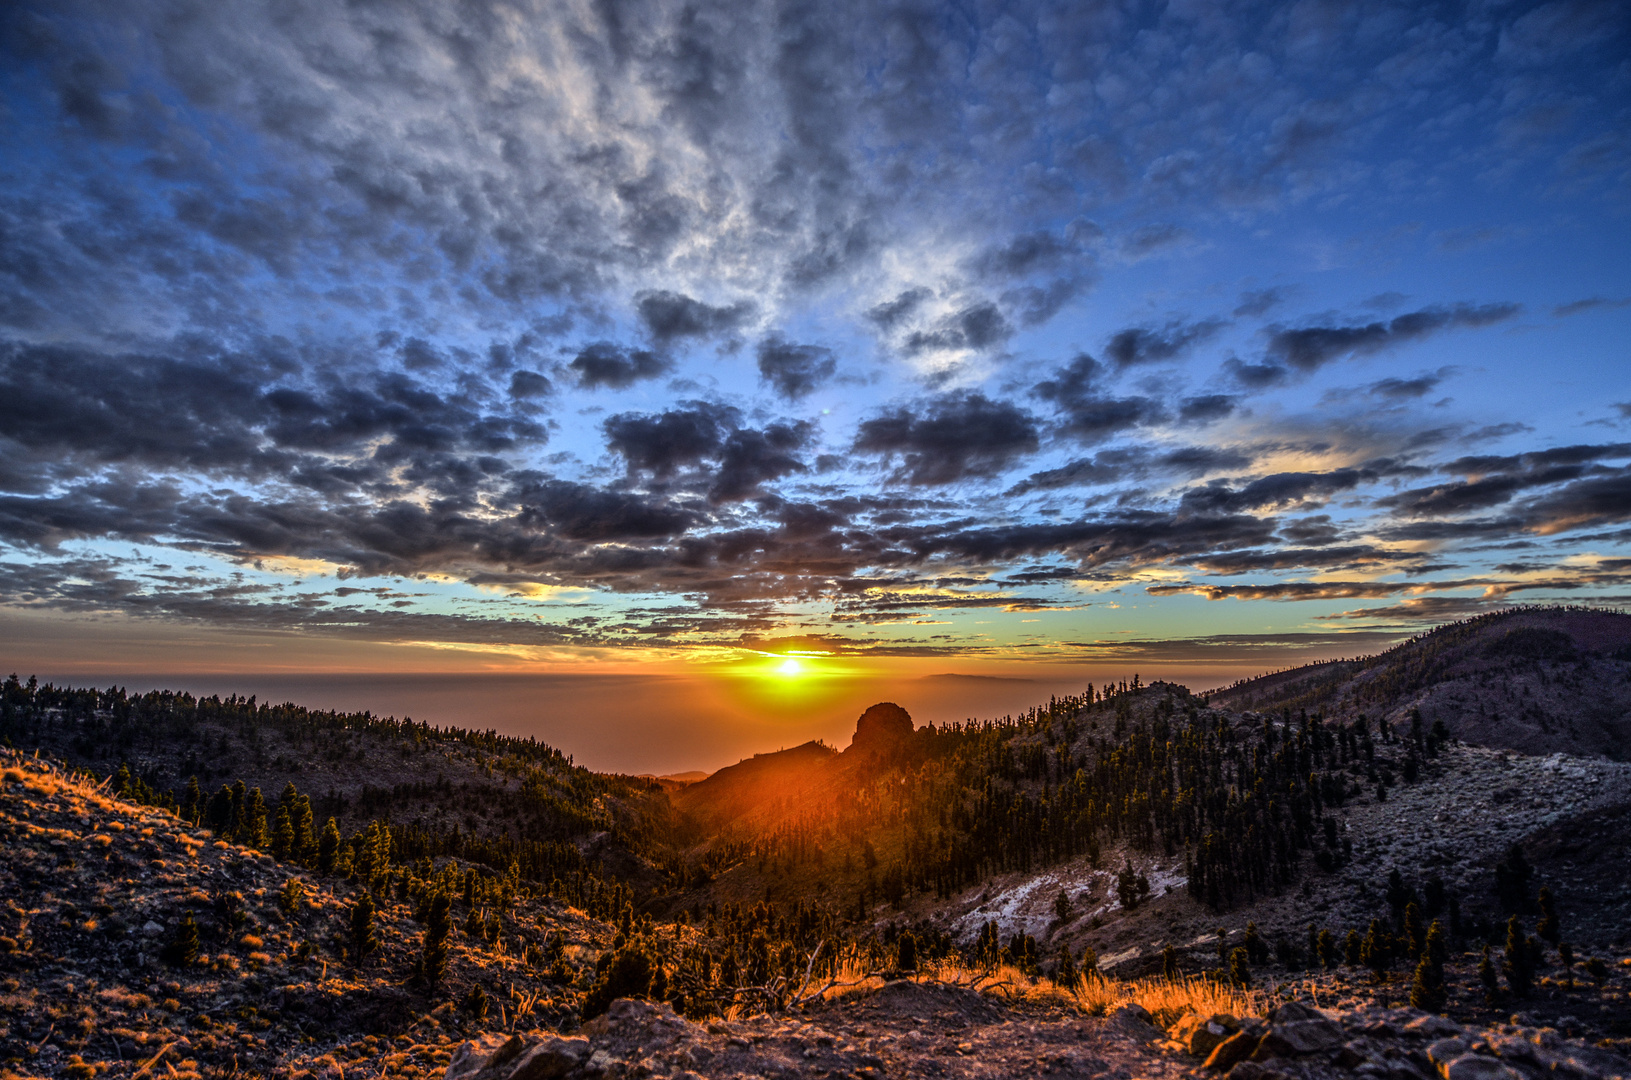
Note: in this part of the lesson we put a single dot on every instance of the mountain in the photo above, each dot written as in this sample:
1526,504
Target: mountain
1533,680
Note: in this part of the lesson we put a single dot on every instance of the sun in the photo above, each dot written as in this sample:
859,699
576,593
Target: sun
790,667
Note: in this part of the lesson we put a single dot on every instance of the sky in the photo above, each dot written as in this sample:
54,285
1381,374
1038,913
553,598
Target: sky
671,342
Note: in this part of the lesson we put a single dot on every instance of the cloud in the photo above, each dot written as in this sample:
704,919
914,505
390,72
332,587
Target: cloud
1206,409
1087,415
1258,302
977,327
1147,345
662,444
892,313
602,363
1590,303
1276,491
529,384
950,438
1405,389
794,370
671,316
581,512
1310,348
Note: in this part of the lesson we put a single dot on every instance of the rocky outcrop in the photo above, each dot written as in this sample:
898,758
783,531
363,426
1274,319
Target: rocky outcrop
881,729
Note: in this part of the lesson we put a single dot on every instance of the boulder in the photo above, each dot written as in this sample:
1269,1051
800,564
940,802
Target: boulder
881,728
1474,1067
1299,1037
1200,1035
1233,1050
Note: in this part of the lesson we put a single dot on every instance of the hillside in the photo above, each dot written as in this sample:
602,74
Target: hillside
1533,680
445,791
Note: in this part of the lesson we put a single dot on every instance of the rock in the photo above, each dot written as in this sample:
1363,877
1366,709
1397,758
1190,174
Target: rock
1135,1022
1298,1038
1200,1035
881,729
473,1055
1251,1070
1446,1050
1433,1027
1233,1050
1473,1067
1293,1011
550,1059
150,928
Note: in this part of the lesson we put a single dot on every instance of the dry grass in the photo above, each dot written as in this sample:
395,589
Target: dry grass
1165,1000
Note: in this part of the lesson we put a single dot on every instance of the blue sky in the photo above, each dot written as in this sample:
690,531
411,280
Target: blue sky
977,336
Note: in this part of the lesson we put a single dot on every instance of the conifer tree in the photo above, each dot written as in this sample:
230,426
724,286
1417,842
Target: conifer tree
1548,927
282,832
183,948
1375,953
288,900
906,952
1491,982
328,848
438,926
1064,972
1518,962
363,940
1256,950
1427,987
1240,971
1352,949
1415,932
1325,946
1169,963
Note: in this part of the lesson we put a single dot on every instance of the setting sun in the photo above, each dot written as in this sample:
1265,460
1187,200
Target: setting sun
790,667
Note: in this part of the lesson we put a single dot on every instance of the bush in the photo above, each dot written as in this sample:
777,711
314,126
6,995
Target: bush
627,976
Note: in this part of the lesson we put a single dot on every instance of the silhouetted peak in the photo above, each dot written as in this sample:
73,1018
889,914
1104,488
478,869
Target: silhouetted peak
882,727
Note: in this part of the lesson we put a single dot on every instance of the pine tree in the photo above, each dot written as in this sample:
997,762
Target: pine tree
183,948
1427,987
1548,927
1491,982
1325,946
1512,876
906,952
328,848
1375,953
1518,962
1240,970
1256,950
363,940
1415,932
1064,972
282,833
1169,963
289,899
1352,949
438,926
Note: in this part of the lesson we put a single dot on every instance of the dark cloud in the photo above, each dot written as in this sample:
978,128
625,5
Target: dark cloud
752,457
529,384
1147,345
1276,491
581,512
1498,478
1124,465
673,441
794,370
1087,415
1310,348
663,444
978,327
255,416
1590,303
1258,302
602,363
892,313
1406,389
670,316
1206,408
1255,376
950,438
